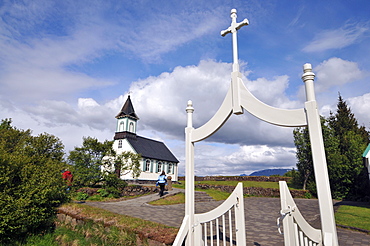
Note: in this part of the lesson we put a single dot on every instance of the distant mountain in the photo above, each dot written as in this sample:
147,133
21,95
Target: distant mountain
269,172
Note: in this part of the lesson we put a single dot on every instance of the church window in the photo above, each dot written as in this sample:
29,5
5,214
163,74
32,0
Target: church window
121,126
147,166
170,168
159,167
119,143
132,127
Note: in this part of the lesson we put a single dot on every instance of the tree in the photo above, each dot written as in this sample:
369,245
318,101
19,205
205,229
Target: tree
86,161
30,181
116,165
344,143
348,178
304,156
97,162
123,163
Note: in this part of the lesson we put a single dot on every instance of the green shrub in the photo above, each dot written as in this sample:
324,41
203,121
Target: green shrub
103,192
81,196
113,192
31,186
95,198
112,181
307,195
113,185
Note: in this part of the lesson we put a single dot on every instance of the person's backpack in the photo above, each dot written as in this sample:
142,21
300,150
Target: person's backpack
162,179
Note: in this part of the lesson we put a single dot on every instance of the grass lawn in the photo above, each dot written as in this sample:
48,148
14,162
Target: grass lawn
354,216
170,200
219,195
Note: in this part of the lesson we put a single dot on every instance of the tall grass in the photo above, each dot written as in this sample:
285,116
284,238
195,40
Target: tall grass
83,235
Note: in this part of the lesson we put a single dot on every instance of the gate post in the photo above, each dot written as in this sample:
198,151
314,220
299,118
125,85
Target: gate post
189,174
319,160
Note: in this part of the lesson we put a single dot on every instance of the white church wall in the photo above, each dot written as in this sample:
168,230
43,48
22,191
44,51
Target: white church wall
152,174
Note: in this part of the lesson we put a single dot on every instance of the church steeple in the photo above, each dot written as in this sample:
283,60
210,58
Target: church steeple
127,110
126,120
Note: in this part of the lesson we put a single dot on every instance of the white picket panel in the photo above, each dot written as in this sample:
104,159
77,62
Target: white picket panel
219,226
297,232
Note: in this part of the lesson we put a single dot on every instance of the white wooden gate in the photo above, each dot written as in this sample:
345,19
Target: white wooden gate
224,225
296,229
238,99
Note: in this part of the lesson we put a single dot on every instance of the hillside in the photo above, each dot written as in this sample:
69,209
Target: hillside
269,172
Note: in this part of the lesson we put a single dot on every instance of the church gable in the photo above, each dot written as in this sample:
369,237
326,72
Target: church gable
122,145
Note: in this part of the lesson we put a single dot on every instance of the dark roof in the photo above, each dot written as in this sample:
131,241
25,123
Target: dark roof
152,149
127,110
123,135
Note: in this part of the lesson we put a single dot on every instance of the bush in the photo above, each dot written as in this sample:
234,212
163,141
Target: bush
31,186
103,193
114,185
112,181
81,196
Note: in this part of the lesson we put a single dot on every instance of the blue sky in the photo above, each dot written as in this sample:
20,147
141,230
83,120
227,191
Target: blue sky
66,68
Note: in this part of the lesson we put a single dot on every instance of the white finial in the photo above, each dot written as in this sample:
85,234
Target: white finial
190,110
234,27
308,74
307,67
308,78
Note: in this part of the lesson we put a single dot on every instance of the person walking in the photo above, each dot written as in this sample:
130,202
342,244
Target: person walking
68,177
162,181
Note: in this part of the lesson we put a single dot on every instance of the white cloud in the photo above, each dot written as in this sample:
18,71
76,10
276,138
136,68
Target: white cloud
61,123
336,72
165,32
338,38
360,107
216,159
160,103
38,67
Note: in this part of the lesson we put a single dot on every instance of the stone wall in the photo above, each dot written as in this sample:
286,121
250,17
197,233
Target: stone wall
135,190
240,178
255,191
131,190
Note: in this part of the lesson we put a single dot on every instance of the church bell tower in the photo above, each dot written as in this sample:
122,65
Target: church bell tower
126,121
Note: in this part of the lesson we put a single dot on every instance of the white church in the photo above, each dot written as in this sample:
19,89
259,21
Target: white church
156,157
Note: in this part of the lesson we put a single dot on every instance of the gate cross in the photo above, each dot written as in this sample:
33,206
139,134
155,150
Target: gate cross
234,27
